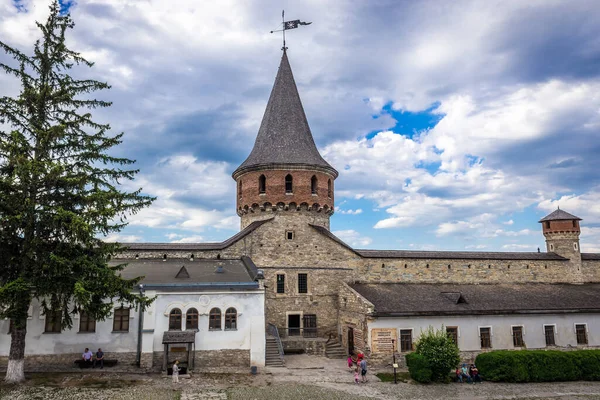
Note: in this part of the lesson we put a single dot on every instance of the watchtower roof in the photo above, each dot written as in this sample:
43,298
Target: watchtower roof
558,215
284,137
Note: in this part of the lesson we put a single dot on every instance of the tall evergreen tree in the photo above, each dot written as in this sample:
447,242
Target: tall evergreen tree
59,191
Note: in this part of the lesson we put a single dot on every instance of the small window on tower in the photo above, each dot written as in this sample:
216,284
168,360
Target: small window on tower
547,224
240,189
289,184
551,247
329,188
575,247
289,235
313,184
574,224
262,184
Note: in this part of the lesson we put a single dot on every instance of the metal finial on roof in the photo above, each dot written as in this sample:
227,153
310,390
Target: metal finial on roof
285,25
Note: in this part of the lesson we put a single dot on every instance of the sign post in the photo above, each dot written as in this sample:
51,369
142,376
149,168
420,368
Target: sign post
394,361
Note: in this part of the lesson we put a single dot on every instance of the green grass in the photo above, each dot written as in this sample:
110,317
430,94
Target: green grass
389,377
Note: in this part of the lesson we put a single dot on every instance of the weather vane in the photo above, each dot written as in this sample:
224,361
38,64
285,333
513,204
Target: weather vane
285,25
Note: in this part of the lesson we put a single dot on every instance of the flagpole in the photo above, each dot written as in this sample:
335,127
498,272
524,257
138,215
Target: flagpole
283,25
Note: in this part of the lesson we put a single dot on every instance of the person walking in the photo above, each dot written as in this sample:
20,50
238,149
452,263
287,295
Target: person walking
363,370
350,365
356,376
176,372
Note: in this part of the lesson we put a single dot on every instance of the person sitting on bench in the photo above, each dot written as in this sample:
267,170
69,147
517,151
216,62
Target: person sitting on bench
87,356
99,359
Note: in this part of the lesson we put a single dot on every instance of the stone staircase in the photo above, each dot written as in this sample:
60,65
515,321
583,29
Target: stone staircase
273,357
333,349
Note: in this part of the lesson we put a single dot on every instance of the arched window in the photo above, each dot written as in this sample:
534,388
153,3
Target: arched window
175,320
262,184
329,188
240,189
214,320
231,319
313,184
289,186
191,319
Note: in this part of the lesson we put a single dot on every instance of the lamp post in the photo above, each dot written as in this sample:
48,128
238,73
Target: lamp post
140,327
394,360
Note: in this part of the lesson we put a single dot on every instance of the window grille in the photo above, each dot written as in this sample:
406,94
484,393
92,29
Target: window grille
302,283
280,283
310,325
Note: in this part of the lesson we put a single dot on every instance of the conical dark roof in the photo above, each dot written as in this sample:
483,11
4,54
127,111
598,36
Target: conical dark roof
559,214
284,138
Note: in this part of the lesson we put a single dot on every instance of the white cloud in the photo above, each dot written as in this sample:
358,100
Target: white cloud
349,211
353,238
509,222
519,247
188,239
122,238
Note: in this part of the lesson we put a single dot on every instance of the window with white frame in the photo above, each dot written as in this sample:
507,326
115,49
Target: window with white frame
581,333
485,337
406,342
517,335
549,334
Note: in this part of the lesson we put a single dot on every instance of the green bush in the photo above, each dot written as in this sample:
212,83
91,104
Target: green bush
440,352
539,365
418,367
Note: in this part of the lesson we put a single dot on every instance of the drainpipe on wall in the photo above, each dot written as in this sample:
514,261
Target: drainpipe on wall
138,358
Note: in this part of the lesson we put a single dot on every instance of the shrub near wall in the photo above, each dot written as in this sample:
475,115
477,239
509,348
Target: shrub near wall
418,367
539,365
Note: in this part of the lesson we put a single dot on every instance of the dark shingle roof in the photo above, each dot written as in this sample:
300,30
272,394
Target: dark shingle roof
590,256
454,255
198,246
559,215
284,136
441,299
156,271
450,255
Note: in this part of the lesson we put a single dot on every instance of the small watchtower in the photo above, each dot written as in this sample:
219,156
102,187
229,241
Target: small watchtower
561,231
285,175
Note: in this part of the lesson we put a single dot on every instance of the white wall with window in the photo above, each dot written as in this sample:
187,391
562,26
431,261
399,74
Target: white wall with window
44,335
224,320
500,331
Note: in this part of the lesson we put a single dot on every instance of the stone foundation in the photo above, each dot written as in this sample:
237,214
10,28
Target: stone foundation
221,358
311,346
66,362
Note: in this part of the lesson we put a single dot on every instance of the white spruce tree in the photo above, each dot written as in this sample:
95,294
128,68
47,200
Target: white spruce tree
59,191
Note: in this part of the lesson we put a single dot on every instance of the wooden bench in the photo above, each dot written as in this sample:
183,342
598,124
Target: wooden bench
107,363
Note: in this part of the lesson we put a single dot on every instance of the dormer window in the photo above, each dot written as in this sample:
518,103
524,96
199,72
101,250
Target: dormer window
289,186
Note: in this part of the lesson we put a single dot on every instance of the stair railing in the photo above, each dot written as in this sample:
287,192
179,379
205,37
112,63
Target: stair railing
273,331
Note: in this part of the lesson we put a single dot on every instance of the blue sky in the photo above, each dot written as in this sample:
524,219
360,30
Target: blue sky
454,125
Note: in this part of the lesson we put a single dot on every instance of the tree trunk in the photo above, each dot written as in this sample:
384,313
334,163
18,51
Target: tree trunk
15,372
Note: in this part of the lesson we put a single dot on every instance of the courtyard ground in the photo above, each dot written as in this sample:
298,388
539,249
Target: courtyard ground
304,378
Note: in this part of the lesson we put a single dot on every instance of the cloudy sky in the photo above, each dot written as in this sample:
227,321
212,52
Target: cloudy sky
454,125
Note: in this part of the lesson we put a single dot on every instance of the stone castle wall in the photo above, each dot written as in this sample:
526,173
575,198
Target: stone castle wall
376,270
353,311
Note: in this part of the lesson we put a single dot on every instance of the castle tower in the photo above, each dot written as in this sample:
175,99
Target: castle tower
285,173
561,231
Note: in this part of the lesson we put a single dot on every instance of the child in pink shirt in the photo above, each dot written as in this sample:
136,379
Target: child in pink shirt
356,376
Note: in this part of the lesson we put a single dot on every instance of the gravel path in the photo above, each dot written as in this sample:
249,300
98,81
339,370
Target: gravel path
291,385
